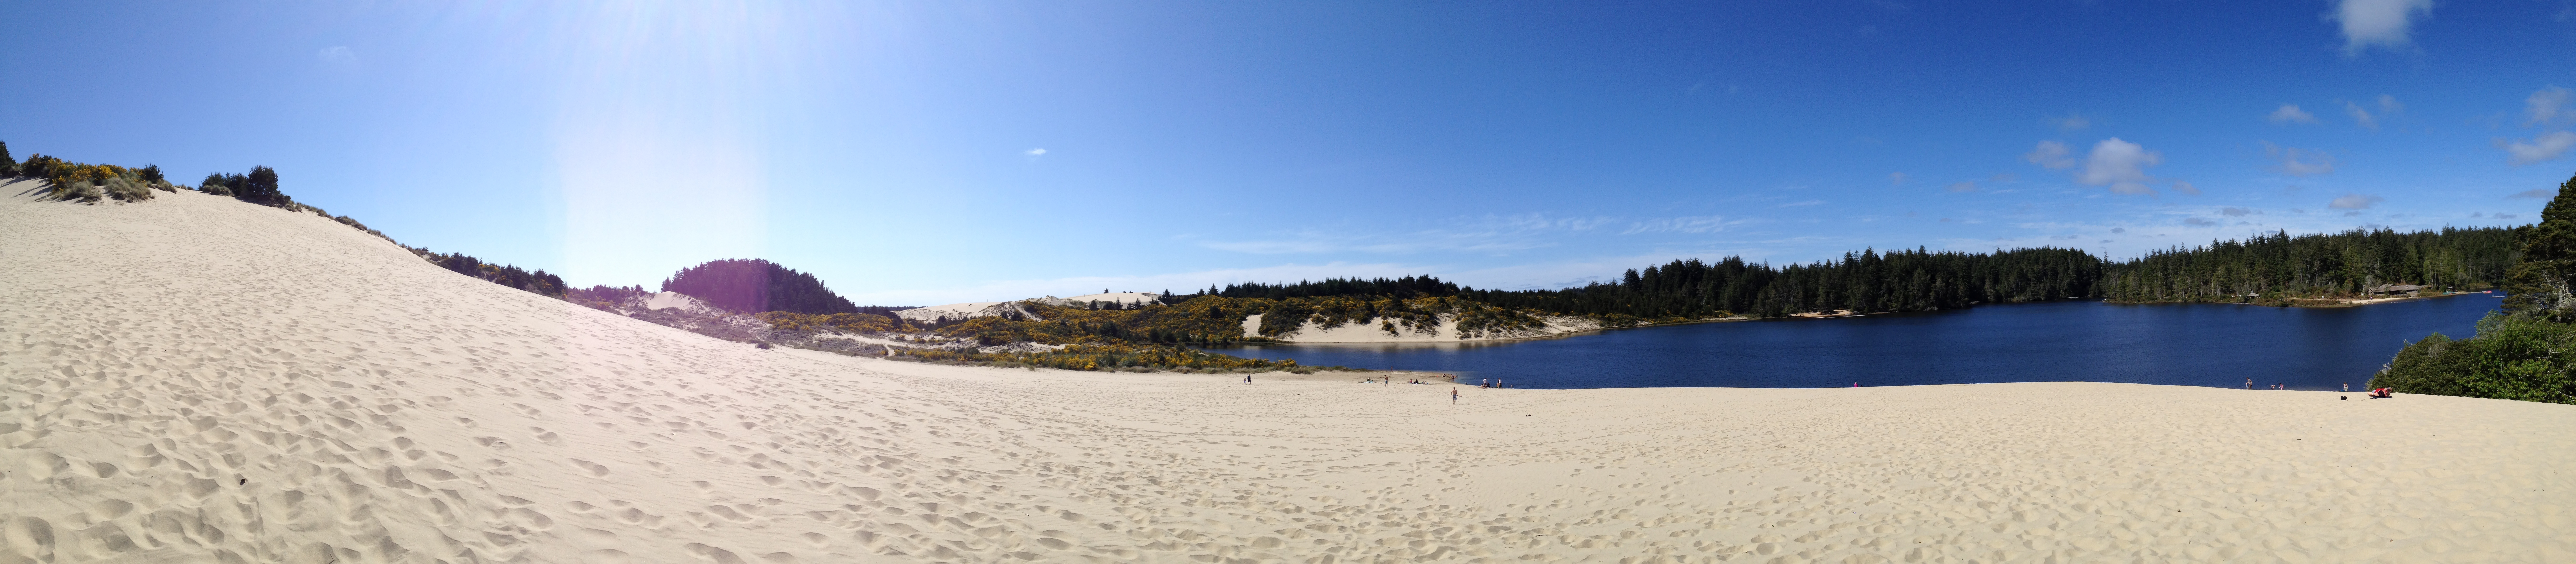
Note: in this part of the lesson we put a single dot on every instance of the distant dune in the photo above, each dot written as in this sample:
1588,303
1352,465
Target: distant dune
195,379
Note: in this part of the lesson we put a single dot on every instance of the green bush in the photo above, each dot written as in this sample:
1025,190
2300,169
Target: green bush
2508,359
76,191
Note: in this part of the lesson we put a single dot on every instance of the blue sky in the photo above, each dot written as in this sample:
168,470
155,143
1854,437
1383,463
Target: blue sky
934,152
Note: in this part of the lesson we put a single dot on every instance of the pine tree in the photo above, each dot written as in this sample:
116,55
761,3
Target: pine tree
2540,284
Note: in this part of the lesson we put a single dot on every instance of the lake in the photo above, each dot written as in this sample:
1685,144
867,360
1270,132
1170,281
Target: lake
2217,345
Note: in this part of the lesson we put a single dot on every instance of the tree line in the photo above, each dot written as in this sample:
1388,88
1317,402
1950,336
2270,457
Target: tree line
2277,267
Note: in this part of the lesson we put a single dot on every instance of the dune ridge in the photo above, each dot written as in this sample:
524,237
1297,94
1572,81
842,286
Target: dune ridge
201,380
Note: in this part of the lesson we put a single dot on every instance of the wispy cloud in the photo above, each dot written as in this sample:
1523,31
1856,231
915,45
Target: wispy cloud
1963,187
2535,193
338,56
2361,116
2547,106
1693,224
1035,152
1801,204
2300,162
2290,113
2070,122
2050,154
2546,147
1488,234
1895,178
2355,202
2378,23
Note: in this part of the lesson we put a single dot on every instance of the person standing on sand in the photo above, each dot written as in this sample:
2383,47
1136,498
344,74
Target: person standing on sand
1247,379
1453,396
2249,383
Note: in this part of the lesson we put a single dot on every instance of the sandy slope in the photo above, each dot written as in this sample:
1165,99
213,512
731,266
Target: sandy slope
199,380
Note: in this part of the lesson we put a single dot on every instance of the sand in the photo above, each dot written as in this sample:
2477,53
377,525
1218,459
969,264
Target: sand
194,379
1373,331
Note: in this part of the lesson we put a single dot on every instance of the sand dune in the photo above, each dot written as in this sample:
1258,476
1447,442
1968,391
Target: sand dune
194,379
1444,331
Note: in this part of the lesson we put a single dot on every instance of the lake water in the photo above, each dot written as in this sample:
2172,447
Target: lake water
2184,344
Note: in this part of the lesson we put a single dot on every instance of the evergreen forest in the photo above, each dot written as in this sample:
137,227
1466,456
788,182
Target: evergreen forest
2280,269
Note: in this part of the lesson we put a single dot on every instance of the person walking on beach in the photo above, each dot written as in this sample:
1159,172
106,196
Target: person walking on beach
2249,383
1247,379
1453,396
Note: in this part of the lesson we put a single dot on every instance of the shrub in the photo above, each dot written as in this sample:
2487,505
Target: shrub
260,187
8,166
128,190
2510,358
75,190
218,184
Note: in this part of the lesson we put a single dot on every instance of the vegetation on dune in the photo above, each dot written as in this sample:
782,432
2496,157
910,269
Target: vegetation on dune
2527,352
2284,268
841,322
258,187
537,282
1111,357
1206,320
754,285
83,182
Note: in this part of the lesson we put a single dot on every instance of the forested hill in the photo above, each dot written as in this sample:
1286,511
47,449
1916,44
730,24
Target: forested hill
755,286
2282,267
1868,282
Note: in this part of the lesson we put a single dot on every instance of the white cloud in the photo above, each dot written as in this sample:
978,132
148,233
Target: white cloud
2384,23
2290,113
2072,122
2186,188
2198,222
1034,152
2120,164
2235,212
2388,104
1895,178
1963,187
2049,154
2547,106
1801,204
2360,116
2355,202
2535,193
2548,146
2300,162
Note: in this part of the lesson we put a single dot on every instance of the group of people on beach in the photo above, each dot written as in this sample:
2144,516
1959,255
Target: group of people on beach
2347,386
